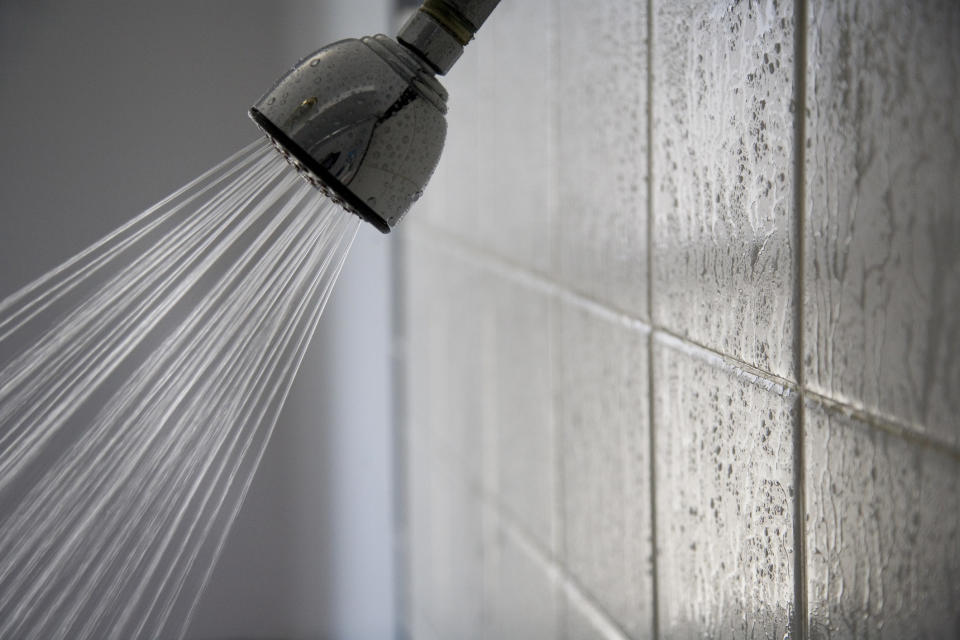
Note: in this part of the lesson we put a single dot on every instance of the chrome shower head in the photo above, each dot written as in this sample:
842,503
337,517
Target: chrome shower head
364,120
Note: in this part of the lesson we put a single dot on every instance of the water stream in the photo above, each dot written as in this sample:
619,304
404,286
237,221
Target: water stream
139,384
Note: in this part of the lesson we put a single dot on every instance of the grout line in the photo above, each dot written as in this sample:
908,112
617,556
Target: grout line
559,507
651,452
497,264
887,425
442,452
482,258
599,618
508,524
757,377
651,397
553,141
558,532
799,206
569,586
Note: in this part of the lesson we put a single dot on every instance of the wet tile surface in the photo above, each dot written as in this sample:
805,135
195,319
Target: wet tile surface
523,595
581,621
516,118
601,152
445,546
722,173
882,274
518,402
724,491
480,379
883,532
447,320
542,399
603,422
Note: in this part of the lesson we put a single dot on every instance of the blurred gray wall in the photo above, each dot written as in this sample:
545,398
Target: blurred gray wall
105,108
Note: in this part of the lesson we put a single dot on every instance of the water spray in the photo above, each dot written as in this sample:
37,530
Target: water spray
140,381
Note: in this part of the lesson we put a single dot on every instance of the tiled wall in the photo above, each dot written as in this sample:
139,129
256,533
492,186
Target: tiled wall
681,326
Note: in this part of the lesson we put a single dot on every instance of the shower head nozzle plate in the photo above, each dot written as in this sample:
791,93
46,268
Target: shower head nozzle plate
316,175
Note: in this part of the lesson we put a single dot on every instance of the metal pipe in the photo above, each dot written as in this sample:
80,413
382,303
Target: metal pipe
440,29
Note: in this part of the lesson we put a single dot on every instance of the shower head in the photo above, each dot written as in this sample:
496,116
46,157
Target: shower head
364,119
363,122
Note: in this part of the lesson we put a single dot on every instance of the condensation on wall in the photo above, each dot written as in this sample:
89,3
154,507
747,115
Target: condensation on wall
681,338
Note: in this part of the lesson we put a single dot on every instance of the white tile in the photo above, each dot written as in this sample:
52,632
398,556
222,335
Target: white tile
445,545
602,396
519,403
515,119
882,272
601,148
725,498
883,532
723,137
524,599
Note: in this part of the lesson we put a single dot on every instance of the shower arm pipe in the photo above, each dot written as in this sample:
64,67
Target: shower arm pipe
439,30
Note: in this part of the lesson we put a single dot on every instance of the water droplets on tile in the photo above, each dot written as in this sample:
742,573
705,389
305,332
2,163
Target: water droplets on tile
723,188
883,531
882,272
724,491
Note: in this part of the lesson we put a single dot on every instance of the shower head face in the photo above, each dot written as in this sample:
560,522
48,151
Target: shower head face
363,121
